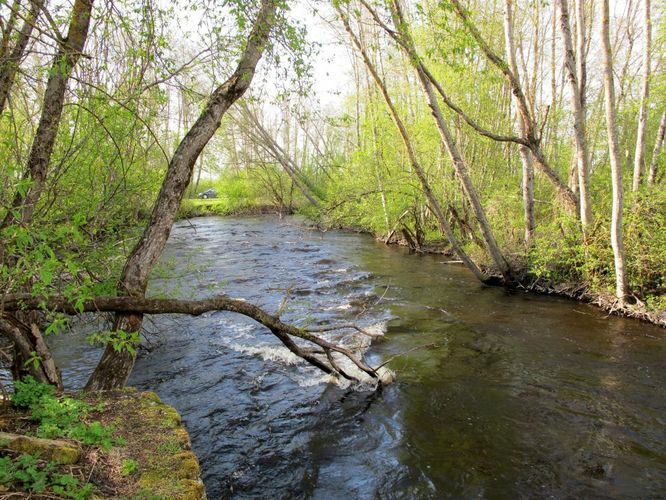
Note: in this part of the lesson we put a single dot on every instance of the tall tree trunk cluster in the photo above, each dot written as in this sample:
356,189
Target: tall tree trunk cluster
574,46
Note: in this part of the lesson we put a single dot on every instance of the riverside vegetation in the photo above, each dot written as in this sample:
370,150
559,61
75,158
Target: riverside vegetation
526,139
122,443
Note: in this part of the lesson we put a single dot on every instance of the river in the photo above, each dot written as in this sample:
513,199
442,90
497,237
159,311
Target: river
497,394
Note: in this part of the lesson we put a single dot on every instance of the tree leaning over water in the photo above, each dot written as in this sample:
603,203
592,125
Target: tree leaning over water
31,300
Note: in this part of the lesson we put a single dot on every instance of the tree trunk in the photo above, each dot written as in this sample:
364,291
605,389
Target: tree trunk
639,155
268,144
658,143
69,52
525,154
137,306
114,367
420,173
29,345
571,67
532,139
615,161
25,332
459,164
581,52
10,62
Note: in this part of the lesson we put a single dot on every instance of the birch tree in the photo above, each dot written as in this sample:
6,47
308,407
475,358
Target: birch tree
617,241
641,132
435,205
525,153
658,145
575,71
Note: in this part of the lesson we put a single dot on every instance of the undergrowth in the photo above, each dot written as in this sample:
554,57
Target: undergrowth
56,417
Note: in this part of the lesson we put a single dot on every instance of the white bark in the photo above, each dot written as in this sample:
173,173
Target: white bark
614,155
411,154
639,155
658,143
525,154
571,66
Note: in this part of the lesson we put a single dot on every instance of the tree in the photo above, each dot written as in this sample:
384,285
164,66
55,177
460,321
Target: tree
115,367
411,154
459,165
10,58
658,144
23,330
525,153
69,52
532,139
639,155
617,241
575,70
269,144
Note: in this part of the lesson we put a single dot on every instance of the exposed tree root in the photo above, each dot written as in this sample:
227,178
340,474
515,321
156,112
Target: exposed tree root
582,293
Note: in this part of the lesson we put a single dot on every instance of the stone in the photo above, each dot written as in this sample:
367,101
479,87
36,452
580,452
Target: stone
55,450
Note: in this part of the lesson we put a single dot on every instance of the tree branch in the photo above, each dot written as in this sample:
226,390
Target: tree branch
141,305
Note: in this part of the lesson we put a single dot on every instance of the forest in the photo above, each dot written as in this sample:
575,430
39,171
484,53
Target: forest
521,140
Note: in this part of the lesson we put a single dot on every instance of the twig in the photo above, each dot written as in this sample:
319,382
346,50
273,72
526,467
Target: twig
424,346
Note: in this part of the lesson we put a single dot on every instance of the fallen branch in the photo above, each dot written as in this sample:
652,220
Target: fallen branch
283,331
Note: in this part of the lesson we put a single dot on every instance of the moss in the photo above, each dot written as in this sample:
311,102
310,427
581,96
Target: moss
191,489
59,451
181,437
157,439
151,396
188,468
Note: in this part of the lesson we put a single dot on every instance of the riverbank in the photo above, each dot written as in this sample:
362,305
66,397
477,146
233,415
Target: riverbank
191,208
527,280
127,444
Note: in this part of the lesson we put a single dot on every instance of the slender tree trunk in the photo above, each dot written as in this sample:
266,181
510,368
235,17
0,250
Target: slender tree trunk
533,139
268,144
9,64
639,155
114,367
581,52
614,156
525,154
29,344
69,52
658,143
377,156
459,164
21,212
420,173
199,170
577,99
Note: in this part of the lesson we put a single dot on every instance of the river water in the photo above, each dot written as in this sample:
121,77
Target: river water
497,395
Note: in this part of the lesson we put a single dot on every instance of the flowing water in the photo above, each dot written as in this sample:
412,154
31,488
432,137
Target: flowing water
498,395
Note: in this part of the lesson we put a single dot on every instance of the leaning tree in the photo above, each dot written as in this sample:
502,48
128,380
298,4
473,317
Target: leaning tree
25,309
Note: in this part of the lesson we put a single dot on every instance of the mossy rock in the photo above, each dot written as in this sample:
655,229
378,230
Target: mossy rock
55,450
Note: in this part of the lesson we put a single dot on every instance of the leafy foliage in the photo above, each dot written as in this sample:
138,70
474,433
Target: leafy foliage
60,416
35,476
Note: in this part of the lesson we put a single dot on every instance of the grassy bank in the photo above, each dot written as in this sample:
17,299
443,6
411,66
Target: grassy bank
120,444
191,208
